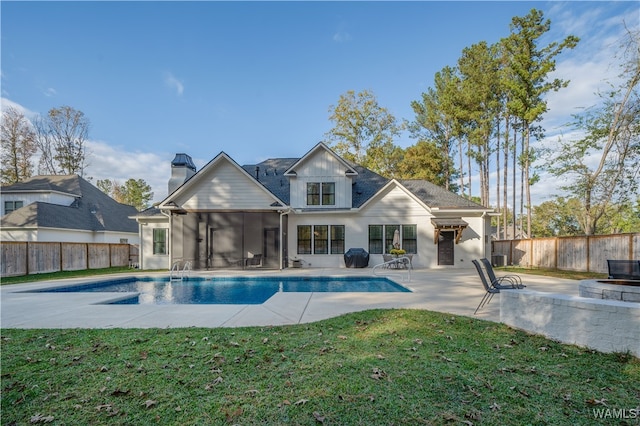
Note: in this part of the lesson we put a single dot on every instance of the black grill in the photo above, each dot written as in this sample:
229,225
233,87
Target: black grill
356,258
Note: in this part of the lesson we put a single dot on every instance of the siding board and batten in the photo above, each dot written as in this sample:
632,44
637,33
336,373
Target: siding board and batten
227,187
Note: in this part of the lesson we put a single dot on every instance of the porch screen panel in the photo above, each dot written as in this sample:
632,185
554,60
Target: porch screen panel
321,239
410,238
375,239
304,239
337,239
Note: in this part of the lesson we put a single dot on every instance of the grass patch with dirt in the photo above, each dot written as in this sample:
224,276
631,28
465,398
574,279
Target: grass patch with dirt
365,368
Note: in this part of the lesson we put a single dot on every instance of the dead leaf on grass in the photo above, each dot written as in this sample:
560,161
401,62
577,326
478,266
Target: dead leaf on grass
39,418
319,417
150,403
595,401
301,402
378,374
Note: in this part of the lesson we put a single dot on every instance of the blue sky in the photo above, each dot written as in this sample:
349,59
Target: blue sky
257,79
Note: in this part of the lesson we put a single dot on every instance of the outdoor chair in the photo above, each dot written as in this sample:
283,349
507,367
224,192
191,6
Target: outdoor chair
254,261
505,281
388,258
624,269
489,289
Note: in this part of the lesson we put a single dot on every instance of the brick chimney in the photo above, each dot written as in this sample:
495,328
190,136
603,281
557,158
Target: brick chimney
182,168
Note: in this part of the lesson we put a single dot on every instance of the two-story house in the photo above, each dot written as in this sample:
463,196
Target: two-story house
310,209
64,208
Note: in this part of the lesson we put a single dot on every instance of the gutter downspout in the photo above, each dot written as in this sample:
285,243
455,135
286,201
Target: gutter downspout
170,245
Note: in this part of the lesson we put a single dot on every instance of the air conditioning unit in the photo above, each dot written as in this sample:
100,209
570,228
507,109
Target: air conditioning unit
499,260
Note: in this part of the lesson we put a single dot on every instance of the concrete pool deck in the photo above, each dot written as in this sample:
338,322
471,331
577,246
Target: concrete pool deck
451,291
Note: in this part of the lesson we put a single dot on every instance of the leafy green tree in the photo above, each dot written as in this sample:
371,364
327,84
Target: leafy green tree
134,192
137,193
479,71
18,147
610,135
437,119
424,160
530,66
555,218
364,132
61,137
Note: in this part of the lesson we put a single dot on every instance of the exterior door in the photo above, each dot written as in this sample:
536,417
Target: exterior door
445,248
270,249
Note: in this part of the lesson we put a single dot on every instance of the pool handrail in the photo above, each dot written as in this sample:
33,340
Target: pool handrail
176,274
404,259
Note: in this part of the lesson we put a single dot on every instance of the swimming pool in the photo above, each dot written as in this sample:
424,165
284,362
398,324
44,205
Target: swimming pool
224,290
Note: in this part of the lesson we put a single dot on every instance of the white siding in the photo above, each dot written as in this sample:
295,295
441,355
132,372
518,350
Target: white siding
66,236
322,166
395,207
30,197
147,259
225,187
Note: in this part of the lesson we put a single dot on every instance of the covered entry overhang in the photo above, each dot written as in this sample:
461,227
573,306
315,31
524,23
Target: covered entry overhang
455,224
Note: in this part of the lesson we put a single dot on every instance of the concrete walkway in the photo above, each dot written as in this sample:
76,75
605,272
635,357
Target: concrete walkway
451,291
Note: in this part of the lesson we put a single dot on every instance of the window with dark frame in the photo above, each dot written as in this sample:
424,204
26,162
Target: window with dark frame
313,193
321,193
328,193
389,231
10,206
381,238
337,239
320,239
160,241
410,238
304,239
375,239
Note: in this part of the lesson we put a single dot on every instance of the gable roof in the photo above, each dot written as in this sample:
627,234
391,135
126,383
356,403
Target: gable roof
273,174
436,196
320,146
222,157
92,210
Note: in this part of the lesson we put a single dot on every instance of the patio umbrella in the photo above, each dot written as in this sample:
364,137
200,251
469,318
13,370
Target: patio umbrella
396,239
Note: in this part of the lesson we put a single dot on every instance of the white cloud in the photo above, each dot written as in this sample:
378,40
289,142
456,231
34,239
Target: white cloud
7,103
49,92
341,36
116,163
174,83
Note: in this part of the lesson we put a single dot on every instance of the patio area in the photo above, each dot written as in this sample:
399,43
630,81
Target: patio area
451,291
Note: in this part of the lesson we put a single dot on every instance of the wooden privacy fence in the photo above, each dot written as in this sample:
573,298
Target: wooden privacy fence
24,258
584,253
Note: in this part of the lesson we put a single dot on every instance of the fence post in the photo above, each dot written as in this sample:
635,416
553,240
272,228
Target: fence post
588,254
26,262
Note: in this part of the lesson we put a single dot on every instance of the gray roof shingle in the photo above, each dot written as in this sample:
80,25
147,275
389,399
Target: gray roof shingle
92,210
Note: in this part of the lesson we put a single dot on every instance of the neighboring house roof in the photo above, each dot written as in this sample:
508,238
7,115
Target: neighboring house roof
92,209
64,184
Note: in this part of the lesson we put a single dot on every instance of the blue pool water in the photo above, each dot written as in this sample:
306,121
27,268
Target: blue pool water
236,290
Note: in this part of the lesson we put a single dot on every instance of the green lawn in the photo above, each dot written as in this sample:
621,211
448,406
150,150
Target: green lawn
368,368
66,274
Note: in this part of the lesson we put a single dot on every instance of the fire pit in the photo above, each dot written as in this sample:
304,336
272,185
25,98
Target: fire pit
611,289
